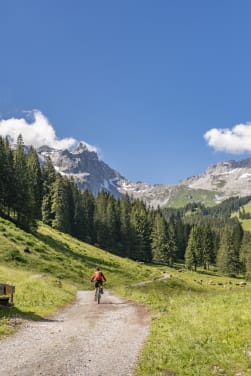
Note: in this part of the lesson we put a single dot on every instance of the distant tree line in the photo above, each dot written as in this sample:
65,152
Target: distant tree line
200,236
210,236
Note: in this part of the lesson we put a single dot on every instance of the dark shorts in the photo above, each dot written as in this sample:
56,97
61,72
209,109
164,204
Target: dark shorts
98,283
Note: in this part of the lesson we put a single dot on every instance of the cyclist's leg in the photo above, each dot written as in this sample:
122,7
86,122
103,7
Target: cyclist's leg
101,287
99,292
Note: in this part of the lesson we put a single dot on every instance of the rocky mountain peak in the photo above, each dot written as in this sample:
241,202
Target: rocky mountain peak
80,148
83,151
219,181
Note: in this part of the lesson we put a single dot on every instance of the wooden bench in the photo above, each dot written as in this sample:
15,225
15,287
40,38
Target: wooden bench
6,294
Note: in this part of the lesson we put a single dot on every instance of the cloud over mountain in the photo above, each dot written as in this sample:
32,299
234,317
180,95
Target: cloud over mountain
38,132
236,140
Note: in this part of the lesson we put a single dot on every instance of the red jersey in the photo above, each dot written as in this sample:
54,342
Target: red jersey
98,276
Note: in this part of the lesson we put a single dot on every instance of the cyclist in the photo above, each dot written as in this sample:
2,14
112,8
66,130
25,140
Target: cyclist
98,278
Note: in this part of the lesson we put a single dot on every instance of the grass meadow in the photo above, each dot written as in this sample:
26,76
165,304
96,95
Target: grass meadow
197,328
246,223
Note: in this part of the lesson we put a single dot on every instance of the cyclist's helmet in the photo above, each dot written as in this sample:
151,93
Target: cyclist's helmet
97,269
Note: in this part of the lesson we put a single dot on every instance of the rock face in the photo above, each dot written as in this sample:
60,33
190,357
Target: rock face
85,167
226,179
221,181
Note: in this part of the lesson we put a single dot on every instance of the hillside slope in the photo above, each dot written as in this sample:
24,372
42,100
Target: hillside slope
246,223
64,257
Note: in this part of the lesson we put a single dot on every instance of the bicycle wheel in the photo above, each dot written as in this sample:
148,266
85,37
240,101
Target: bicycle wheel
99,295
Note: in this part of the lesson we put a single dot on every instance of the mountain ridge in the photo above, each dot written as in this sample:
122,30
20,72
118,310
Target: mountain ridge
217,183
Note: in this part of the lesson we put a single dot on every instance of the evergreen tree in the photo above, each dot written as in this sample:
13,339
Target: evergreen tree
78,215
112,224
60,205
100,219
172,244
160,240
24,203
9,179
4,186
208,256
181,236
35,178
126,232
228,258
245,254
141,232
192,256
48,179
88,204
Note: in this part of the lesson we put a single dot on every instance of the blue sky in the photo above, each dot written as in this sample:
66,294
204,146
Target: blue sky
143,81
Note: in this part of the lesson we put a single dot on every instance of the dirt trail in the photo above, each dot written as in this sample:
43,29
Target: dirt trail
86,339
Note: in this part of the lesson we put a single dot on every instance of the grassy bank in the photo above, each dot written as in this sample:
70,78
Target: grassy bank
197,328
37,295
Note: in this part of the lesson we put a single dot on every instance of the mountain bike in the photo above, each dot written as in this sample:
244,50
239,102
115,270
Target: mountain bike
98,293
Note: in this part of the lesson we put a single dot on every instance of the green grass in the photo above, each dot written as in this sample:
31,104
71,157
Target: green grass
64,257
246,223
196,329
185,195
37,295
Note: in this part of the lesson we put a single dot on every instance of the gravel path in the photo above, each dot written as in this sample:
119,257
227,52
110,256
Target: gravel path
86,339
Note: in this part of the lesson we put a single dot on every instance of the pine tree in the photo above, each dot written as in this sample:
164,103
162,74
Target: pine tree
24,203
160,240
112,224
35,179
181,235
100,219
9,194
207,247
48,179
140,232
228,257
60,205
172,243
192,256
125,227
88,204
245,254
6,174
78,215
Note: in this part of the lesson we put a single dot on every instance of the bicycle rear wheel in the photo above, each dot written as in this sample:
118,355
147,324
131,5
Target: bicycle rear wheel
99,296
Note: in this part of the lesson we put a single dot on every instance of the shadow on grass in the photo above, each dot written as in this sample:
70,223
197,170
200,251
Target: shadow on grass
208,272
13,312
66,250
92,262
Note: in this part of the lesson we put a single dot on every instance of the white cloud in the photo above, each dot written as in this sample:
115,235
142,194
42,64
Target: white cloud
39,132
236,140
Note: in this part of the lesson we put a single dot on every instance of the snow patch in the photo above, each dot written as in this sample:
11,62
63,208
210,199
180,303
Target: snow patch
244,176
